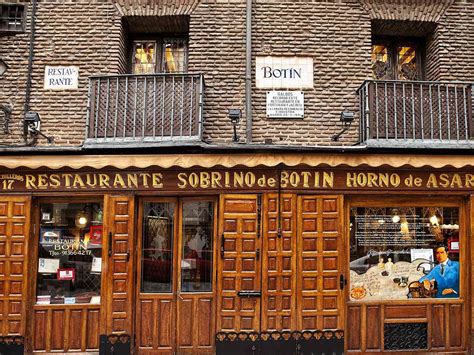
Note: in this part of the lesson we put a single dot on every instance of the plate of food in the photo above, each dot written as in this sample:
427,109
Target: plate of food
358,292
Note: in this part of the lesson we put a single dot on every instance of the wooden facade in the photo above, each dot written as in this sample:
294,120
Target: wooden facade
280,257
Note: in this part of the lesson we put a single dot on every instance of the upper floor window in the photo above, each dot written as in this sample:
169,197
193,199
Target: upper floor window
12,18
167,55
397,60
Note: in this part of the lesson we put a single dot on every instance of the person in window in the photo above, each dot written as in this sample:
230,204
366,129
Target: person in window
446,274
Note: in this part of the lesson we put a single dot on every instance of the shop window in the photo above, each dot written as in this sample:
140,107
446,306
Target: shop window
397,60
69,253
197,232
167,55
401,253
157,247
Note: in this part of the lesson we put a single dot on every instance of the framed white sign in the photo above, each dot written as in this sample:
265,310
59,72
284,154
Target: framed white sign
285,104
284,73
61,78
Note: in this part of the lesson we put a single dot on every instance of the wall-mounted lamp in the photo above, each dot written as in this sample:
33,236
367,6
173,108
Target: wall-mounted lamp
346,119
235,114
3,67
32,125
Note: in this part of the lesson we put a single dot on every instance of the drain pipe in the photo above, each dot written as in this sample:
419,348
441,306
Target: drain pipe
30,65
248,71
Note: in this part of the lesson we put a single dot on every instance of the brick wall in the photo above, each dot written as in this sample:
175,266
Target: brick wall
336,34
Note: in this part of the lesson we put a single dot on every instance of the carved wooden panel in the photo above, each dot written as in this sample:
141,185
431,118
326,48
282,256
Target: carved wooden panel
156,323
66,328
320,301
195,323
279,263
14,229
443,324
239,263
120,228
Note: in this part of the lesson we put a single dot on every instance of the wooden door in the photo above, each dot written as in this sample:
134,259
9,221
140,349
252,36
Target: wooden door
279,263
14,229
156,280
302,262
119,232
239,263
320,263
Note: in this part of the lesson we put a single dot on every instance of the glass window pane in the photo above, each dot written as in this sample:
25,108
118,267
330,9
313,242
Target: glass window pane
174,55
70,253
157,247
381,67
407,66
144,57
196,263
404,252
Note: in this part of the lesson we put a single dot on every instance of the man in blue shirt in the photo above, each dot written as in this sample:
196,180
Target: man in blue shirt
446,274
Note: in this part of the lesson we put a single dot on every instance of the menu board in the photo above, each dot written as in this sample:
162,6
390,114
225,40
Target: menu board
382,231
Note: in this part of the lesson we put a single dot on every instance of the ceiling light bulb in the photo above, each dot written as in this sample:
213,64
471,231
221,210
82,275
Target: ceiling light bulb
396,218
82,220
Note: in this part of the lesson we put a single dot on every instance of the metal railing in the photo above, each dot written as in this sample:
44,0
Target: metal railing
416,113
145,108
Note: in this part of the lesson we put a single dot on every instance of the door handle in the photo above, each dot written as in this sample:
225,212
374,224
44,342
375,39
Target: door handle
110,244
222,245
342,281
249,294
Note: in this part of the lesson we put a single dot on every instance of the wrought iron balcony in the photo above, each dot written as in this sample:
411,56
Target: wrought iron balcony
416,114
143,109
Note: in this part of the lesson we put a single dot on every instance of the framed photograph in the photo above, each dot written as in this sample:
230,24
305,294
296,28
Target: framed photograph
66,274
453,245
95,235
48,266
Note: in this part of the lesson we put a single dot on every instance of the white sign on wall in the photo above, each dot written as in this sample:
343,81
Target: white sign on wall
285,104
61,78
284,72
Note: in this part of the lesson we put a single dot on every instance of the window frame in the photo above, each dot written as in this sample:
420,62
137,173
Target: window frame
415,201
392,44
35,239
5,8
160,40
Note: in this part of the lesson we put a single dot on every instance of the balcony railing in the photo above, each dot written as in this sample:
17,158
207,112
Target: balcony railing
416,113
145,109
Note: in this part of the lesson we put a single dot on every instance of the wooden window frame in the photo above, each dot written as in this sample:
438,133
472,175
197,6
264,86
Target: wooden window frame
414,201
392,43
160,42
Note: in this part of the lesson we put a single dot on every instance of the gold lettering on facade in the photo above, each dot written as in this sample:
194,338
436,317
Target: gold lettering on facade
118,181
78,182
54,181
157,180
145,177
215,179
132,180
30,182
104,180
42,181
67,178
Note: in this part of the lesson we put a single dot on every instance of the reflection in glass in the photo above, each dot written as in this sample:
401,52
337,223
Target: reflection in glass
407,66
381,62
174,55
404,252
144,54
157,247
69,253
196,263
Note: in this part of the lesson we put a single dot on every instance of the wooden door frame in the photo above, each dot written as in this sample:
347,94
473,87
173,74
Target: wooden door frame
177,240
466,221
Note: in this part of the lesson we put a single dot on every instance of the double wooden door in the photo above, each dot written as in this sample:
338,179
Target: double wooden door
281,263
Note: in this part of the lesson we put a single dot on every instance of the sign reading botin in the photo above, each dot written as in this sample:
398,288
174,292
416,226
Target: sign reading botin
284,73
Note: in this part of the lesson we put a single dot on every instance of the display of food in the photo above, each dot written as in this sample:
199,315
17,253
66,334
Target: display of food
358,292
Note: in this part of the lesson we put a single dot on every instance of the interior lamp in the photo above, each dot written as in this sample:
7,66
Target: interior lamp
81,220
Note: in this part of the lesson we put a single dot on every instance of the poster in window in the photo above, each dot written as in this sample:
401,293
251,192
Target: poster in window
66,274
96,235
